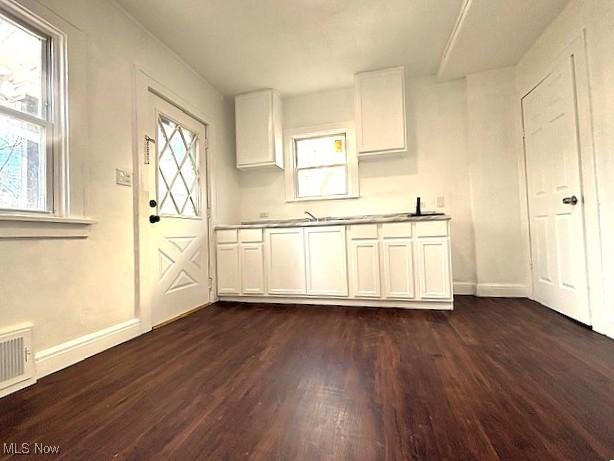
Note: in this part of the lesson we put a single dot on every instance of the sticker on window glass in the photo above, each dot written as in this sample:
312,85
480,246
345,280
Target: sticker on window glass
338,145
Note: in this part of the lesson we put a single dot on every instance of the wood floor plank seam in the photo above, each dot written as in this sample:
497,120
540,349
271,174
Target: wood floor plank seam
494,380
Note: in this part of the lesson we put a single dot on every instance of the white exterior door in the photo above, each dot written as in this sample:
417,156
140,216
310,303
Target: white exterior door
177,228
555,194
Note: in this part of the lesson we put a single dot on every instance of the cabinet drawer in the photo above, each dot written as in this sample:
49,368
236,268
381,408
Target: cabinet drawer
250,235
396,230
432,229
363,231
227,236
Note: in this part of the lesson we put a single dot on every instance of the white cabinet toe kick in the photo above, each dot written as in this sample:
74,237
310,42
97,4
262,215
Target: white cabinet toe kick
393,264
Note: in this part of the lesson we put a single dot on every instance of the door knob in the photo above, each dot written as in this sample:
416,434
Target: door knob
154,218
573,200
153,203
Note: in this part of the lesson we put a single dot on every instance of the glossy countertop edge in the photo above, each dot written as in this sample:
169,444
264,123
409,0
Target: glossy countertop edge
371,219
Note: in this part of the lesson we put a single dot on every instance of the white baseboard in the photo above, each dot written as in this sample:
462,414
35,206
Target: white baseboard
464,288
502,290
16,387
605,328
402,304
63,355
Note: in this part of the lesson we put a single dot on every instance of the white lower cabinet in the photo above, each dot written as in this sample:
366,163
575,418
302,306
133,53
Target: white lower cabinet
364,268
398,267
326,261
252,268
285,261
399,264
434,266
228,272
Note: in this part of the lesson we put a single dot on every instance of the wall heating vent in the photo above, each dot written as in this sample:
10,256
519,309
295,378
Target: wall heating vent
16,360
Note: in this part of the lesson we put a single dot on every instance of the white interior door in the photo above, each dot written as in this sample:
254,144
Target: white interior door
555,194
177,228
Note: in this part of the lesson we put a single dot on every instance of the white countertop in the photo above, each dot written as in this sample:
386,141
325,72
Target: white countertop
334,221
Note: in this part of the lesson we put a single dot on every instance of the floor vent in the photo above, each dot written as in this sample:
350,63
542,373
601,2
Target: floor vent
16,360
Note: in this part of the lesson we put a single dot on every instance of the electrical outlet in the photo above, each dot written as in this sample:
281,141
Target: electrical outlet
123,177
263,215
441,201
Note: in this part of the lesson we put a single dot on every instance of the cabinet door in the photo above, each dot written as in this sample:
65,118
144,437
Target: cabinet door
326,261
228,273
258,129
364,268
380,111
252,269
398,265
434,263
285,261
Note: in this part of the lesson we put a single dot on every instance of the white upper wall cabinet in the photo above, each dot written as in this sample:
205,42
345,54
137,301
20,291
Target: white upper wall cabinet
258,119
379,102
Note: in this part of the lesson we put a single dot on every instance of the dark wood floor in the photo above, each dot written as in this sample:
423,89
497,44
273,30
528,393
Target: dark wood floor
493,380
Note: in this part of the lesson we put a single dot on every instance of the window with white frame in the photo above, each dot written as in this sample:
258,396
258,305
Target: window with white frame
27,136
323,164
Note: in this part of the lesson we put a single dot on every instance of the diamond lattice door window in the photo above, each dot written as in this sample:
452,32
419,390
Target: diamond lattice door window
178,173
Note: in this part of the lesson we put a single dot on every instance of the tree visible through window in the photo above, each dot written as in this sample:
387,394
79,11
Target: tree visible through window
25,121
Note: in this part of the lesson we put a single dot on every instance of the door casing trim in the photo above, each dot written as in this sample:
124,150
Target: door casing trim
145,84
576,51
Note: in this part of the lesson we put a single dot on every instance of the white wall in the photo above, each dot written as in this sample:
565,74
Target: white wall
501,243
597,18
436,164
69,288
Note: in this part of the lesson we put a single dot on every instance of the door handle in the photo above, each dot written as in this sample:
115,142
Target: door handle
573,200
154,218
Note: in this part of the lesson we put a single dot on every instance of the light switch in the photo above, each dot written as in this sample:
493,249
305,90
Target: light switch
123,177
441,202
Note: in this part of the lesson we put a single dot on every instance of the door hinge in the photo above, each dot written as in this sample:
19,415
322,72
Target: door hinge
210,282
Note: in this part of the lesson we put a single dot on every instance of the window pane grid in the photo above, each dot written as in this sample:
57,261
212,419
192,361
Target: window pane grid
319,151
178,172
26,180
23,57
321,166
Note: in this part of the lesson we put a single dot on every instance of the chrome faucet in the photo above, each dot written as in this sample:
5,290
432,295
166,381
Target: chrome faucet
311,217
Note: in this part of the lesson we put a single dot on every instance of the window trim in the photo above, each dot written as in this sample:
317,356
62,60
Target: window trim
290,171
65,216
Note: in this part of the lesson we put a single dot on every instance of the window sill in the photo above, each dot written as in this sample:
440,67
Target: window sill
318,199
18,226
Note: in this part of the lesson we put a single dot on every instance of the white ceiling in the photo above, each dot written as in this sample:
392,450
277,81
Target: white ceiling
496,33
301,46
